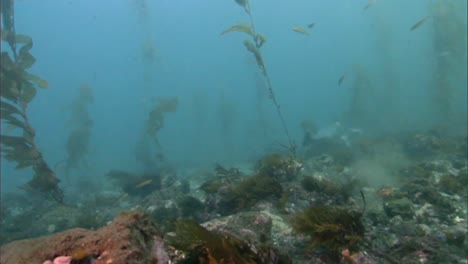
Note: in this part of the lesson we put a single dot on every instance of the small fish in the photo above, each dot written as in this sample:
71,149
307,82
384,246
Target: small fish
300,30
121,198
143,184
341,79
419,23
311,25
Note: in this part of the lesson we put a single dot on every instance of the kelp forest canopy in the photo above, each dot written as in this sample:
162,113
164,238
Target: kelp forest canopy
18,89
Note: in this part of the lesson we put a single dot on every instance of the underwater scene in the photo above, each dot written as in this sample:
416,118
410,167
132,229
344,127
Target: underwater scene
234,132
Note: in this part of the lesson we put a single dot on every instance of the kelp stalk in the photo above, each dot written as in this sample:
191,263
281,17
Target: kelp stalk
259,40
18,88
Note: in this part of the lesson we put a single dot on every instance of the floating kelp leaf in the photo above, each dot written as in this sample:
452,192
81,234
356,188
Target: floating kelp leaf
14,121
37,80
25,164
29,134
23,39
240,27
32,154
7,108
259,40
28,92
19,38
12,140
26,60
250,46
7,62
13,91
26,47
258,57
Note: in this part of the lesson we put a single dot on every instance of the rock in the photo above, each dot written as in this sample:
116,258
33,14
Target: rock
262,230
456,235
402,207
129,238
248,226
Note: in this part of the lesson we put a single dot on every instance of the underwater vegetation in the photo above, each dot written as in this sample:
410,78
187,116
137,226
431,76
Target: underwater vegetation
18,89
155,119
264,185
449,42
329,187
205,247
250,191
149,154
332,228
77,146
254,45
302,203
363,105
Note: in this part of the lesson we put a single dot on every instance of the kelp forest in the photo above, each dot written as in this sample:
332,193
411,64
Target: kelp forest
233,132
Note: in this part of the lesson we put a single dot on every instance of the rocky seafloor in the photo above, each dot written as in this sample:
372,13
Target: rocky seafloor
398,199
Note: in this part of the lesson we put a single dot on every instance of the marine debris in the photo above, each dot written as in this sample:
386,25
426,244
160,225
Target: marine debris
18,89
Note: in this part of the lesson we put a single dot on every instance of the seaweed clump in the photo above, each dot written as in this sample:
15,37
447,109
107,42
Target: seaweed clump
328,187
279,167
331,228
265,184
203,246
250,191
18,89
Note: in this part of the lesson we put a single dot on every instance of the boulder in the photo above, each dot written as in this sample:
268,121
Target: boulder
131,237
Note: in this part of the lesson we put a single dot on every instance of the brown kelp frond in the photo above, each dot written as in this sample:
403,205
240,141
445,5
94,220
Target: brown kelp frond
155,120
147,153
240,27
18,88
253,45
249,45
